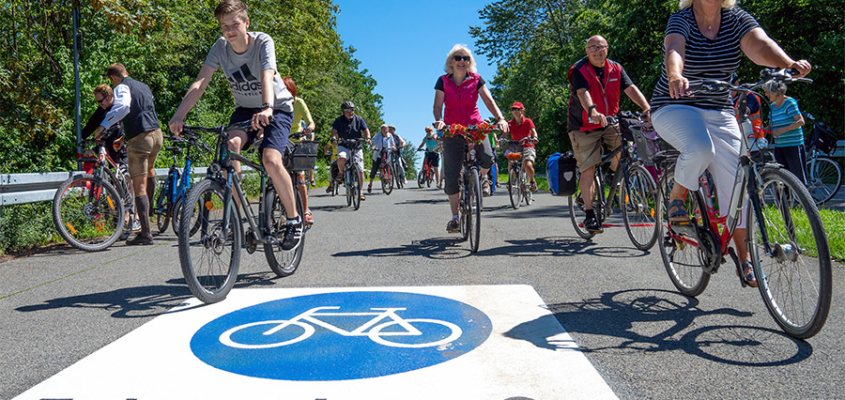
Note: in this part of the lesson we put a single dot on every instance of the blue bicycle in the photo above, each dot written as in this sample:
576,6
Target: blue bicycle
173,191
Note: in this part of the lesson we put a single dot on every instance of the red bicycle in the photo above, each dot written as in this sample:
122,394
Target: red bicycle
426,176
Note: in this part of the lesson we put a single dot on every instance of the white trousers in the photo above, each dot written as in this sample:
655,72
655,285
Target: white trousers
707,139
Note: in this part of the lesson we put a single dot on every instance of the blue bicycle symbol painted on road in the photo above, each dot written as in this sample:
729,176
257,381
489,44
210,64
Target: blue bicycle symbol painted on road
341,336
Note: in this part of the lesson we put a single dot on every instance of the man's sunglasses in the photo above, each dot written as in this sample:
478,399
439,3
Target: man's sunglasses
101,100
464,58
349,109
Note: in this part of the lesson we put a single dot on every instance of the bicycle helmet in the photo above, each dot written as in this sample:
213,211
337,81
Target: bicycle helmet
347,104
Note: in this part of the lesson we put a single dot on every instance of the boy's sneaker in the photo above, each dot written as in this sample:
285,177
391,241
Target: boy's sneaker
452,226
136,225
592,225
293,236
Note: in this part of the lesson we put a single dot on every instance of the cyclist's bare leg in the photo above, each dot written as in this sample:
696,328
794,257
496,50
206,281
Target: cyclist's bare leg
236,141
281,180
341,167
302,184
529,169
454,202
587,181
436,174
739,236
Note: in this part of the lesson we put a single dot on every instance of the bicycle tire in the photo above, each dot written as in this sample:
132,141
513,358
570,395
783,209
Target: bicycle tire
429,178
577,212
386,180
793,229
177,216
348,186
421,178
682,260
463,207
208,274
526,191
824,178
514,188
356,190
163,208
475,211
77,215
282,263
397,176
639,207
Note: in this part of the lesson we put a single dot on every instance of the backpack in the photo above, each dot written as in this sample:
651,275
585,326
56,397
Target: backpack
823,138
561,170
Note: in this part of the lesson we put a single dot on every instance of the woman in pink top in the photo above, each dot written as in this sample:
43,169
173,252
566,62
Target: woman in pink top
458,90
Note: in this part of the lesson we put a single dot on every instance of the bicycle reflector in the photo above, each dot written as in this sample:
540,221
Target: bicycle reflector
209,205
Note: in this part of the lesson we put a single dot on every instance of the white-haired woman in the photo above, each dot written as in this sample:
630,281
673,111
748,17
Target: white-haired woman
458,90
705,39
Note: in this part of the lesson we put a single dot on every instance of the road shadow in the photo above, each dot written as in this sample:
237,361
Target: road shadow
423,201
143,301
560,246
441,248
652,320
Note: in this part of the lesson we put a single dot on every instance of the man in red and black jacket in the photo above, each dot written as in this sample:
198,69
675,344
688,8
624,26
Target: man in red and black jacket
596,84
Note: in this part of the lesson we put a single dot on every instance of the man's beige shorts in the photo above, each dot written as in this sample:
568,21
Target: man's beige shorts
143,150
587,145
529,154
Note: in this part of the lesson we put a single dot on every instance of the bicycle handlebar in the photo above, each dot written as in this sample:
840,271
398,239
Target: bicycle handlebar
767,75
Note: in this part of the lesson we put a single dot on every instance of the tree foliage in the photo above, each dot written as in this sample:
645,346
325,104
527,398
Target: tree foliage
163,43
536,41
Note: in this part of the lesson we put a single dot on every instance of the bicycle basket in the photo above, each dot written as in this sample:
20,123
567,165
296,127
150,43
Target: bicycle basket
647,144
304,155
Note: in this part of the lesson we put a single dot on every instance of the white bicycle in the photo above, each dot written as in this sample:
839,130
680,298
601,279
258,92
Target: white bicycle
374,329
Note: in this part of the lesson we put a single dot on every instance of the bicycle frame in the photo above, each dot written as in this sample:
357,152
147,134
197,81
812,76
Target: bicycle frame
105,167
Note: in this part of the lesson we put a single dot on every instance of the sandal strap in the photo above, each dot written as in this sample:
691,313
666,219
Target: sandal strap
679,208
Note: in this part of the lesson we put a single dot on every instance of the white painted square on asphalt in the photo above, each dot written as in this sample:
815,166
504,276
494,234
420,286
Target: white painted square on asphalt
389,343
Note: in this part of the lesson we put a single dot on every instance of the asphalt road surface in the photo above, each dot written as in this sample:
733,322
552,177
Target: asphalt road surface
645,339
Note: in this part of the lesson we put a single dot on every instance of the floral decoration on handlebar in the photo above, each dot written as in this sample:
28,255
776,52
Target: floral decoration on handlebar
473,134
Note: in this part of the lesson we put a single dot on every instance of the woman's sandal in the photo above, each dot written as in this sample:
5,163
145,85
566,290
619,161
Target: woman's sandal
370,188
748,277
680,214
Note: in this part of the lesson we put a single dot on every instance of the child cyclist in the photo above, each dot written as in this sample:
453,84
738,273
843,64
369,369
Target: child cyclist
248,60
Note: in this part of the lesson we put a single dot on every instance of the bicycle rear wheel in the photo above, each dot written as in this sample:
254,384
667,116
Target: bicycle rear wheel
790,253
88,213
824,177
638,207
474,221
282,263
514,188
577,210
210,259
680,252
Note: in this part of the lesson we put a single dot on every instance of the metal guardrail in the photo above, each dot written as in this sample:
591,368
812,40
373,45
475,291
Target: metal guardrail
35,187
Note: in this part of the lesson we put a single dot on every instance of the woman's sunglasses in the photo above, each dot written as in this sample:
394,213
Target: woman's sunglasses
464,58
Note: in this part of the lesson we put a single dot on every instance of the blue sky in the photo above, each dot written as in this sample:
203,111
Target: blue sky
403,45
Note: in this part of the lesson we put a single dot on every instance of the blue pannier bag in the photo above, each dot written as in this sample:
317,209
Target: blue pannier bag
561,172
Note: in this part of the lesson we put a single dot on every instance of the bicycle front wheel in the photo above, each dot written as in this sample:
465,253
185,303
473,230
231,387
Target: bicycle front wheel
682,258
282,263
474,221
356,190
526,187
790,253
211,258
88,213
421,179
386,180
577,209
639,207
824,177
514,188
163,208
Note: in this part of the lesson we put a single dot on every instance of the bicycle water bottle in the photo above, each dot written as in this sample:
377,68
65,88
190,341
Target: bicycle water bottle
756,138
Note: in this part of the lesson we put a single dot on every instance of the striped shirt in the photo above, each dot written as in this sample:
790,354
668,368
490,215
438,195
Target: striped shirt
784,116
705,58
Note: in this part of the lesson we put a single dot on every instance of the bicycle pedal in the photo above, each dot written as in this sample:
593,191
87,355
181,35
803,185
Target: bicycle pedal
683,228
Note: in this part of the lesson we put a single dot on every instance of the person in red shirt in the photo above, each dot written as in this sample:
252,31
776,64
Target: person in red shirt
522,127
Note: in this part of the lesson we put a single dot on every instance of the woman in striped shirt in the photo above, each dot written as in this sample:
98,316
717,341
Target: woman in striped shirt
705,39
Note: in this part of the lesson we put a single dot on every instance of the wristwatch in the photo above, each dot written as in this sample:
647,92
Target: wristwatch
266,106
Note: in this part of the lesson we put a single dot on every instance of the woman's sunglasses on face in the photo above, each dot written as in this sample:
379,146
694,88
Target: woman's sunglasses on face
462,58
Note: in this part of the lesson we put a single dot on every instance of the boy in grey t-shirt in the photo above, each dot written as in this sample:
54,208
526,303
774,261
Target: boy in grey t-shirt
248,60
